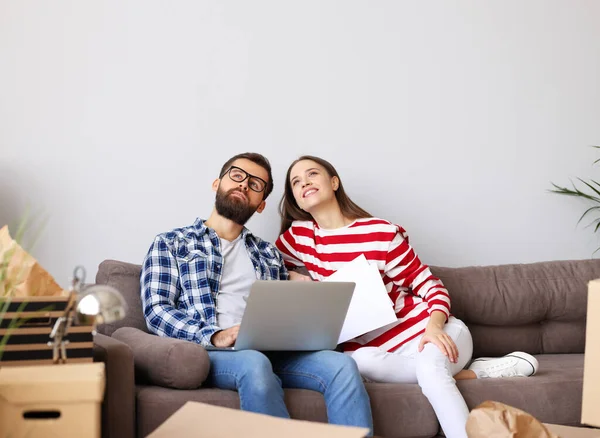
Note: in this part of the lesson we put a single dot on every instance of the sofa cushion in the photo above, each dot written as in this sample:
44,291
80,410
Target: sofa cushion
553,395
536,307
125,277
398,410
401,410
168,362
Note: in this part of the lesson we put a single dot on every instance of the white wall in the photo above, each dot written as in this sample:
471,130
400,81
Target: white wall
450,118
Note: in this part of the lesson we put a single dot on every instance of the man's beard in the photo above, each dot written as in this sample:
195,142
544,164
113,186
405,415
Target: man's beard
232,208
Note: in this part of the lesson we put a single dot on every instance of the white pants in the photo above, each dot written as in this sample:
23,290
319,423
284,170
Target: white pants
430,369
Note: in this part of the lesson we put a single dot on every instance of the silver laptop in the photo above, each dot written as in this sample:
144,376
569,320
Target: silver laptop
293,316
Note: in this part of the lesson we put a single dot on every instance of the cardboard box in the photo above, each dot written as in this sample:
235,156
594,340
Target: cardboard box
590,411
51,400
218,422
573,432
28,344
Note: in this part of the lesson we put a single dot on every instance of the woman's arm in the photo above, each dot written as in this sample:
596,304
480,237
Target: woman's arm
406,270
285,244
435,334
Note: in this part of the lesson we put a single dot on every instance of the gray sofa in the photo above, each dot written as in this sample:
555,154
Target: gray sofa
538,308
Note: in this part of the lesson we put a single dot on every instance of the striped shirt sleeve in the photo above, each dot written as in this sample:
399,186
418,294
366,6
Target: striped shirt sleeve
285,244
406,270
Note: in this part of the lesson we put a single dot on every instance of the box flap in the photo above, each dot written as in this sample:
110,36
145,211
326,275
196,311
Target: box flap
218,422
573,432
590,411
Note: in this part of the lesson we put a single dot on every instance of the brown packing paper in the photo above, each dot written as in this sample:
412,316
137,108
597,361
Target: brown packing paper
497,420
217,422
25,277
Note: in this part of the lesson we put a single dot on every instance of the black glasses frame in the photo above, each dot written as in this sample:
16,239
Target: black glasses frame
248,176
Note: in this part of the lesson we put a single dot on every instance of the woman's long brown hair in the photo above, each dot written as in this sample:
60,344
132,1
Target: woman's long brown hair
290,211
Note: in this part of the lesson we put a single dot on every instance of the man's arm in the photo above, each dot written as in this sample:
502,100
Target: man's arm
283,272
159,291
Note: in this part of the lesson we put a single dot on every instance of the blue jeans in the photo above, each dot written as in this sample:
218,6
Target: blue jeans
259,378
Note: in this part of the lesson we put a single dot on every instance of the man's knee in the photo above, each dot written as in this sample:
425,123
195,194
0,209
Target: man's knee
342,367
256,369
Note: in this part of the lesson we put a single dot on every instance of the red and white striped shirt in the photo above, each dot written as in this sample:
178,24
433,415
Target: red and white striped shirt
410,284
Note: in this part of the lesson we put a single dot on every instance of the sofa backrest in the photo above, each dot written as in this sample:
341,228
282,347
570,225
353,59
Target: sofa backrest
536,307
125,277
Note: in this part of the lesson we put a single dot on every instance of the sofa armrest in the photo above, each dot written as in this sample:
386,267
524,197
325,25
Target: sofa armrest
167,362
118,406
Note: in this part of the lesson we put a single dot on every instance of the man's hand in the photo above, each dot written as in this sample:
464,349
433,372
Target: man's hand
225,338
294,276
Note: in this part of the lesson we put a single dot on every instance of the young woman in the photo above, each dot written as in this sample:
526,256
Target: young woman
322,229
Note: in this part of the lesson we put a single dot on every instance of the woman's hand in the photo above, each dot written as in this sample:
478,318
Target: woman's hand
294,276
435,334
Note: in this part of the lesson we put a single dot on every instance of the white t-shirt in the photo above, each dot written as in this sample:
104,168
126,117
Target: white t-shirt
236,281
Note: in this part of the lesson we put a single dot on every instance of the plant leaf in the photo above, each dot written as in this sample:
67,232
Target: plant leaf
590,186
574,192
596,207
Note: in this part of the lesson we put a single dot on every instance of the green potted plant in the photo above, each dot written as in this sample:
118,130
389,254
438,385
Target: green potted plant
588,191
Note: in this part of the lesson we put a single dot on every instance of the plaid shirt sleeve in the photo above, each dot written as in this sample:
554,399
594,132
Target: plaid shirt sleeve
160,289
283,272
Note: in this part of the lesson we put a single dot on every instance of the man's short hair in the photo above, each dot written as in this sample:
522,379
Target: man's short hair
259,159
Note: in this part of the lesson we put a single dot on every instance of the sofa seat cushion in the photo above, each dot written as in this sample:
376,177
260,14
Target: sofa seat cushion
401,410
398,410
553,395
156,404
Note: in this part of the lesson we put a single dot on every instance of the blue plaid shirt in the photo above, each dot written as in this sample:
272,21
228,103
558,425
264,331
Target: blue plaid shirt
181,277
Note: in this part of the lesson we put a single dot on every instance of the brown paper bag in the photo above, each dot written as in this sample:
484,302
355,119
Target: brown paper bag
497,420
24,276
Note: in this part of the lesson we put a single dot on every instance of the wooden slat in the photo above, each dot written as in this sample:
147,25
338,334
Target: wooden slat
44,330
44,361
13,315
30,347
50,298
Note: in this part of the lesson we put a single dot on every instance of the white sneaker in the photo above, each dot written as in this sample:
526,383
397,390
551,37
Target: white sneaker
516,364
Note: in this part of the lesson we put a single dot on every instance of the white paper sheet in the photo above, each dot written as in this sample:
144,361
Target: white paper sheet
371,307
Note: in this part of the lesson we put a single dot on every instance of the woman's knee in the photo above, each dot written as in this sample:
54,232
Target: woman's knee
433,368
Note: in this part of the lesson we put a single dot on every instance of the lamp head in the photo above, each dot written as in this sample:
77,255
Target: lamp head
100,303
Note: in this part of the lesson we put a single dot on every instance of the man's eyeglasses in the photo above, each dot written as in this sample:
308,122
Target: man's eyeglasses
238,175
